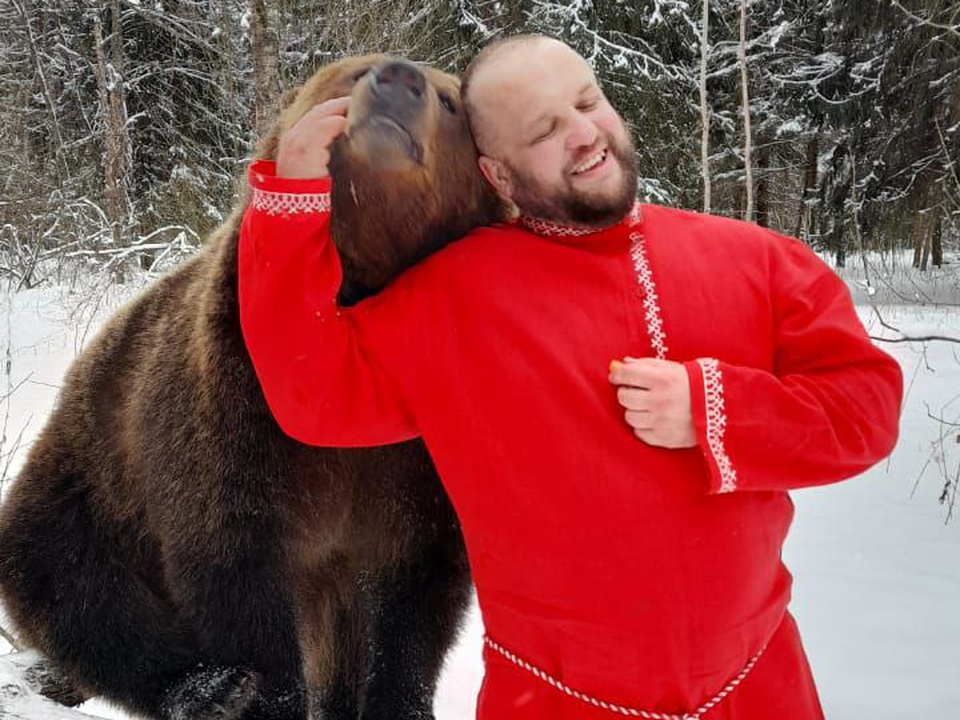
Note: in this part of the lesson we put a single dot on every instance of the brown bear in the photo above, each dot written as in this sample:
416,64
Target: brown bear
167,547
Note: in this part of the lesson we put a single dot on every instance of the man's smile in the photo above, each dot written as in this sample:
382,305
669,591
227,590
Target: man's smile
593,165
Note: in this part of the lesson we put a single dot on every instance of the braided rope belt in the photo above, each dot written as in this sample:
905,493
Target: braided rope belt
628,711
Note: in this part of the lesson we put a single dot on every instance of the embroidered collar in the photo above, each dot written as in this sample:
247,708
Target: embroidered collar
554,229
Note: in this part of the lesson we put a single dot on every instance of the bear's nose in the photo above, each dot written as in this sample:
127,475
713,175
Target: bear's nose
397,79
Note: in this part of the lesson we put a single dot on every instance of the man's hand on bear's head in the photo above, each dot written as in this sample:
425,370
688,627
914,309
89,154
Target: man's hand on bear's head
304,149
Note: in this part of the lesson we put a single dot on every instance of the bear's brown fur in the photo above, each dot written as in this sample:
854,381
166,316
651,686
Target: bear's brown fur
166,546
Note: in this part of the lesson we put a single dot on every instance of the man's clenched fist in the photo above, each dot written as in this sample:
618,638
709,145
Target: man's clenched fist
304,149
655,395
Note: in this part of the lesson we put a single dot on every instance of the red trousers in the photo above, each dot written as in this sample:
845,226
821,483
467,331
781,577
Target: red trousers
780,687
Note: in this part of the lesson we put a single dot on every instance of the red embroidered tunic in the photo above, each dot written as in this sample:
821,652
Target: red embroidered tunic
644,576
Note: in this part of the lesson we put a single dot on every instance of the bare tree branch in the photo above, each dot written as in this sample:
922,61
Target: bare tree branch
906,338
952,29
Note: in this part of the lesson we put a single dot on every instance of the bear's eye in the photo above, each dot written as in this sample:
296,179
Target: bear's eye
447,103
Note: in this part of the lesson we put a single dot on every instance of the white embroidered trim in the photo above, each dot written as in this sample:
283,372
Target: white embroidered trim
717,422
638,252
629,711
274,203
554,229
651,303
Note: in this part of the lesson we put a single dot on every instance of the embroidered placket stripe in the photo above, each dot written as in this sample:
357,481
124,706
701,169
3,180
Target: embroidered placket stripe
641,266
651,301
622,709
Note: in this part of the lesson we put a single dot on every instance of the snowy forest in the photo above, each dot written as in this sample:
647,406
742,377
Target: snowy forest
127,126
126,122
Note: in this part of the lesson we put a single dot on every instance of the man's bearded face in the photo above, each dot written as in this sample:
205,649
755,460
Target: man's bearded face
567,201
550,140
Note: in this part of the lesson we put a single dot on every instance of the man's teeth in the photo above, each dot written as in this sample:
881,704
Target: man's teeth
590,162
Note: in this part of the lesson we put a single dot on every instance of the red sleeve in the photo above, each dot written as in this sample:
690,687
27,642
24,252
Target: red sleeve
829,409
326,371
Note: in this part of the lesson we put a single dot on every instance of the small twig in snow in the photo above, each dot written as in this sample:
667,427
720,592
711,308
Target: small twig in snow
11,640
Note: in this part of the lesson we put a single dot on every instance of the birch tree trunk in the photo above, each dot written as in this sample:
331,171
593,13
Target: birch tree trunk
747,136
263,44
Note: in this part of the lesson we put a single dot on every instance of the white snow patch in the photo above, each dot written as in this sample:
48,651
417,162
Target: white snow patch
877,577
792,126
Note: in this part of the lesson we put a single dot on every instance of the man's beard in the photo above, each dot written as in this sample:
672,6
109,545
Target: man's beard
570,206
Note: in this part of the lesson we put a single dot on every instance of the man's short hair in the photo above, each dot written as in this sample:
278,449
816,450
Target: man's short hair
488,53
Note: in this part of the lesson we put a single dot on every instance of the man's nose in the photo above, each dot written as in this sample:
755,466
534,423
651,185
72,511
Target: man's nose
582,131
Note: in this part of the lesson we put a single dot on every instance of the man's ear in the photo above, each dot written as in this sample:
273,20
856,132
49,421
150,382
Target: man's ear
496,174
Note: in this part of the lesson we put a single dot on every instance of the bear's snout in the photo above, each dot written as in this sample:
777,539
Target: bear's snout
399,82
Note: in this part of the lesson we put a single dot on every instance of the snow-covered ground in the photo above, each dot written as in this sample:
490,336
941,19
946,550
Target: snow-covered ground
877,569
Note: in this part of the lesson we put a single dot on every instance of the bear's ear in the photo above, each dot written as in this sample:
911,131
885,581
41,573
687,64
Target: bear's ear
267,146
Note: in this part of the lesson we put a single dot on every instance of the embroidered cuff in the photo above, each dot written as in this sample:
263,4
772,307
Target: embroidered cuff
274,203
286,196
710,421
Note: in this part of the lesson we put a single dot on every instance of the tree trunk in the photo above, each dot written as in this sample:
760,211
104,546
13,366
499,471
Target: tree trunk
109,74
921,243
747,139
228,75
809,183
917,247
763,187
704,107
263,43
936,243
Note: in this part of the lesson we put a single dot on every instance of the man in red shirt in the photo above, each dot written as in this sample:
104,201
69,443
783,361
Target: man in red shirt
624,521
